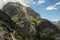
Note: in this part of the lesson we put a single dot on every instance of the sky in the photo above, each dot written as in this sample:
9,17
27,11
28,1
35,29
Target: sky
48,9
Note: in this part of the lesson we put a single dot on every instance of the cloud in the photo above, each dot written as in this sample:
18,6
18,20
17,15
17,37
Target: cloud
41,1
34,2
53,7
26,3
58,3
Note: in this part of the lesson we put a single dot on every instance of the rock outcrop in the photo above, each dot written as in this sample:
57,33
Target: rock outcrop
7,26
48,30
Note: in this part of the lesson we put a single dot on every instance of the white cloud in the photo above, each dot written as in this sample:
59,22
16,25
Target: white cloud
58,3
26,3
34,2
41,1
53,7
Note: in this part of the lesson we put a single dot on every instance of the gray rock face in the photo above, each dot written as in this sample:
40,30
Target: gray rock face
7,26
5,35
13,8
47,29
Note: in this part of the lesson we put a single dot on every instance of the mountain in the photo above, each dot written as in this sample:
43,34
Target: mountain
54,22
25,17
58,23
23,23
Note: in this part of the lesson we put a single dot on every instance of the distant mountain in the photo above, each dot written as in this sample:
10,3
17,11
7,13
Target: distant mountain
54,22
58,24
23,23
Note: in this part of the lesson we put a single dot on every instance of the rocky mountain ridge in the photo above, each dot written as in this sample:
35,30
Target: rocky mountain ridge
23,23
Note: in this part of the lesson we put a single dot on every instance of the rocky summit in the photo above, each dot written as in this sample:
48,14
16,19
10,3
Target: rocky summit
18,22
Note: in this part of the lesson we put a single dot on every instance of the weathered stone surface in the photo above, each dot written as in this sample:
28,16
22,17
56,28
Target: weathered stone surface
7,26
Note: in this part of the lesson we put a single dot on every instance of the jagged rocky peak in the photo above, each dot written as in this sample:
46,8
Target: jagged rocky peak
13,8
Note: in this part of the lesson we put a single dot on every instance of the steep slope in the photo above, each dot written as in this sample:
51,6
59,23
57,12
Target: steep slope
19,12
47,29
17,8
